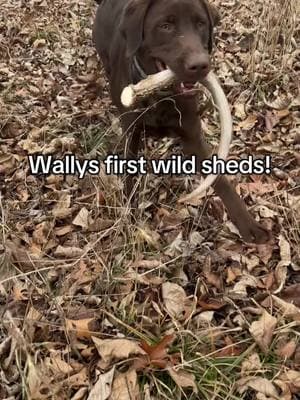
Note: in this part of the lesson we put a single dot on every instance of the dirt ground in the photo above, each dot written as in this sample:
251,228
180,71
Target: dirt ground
171,303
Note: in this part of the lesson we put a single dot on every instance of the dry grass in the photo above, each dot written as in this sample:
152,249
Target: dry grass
276,38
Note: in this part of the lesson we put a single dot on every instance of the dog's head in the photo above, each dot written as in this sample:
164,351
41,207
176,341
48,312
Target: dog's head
171,33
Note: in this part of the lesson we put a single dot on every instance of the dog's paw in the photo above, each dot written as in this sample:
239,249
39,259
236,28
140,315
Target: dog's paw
253,232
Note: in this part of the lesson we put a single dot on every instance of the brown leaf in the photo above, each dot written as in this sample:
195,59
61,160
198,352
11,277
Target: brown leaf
68,252
174,298
116,349
232,274
285,251
292,379
211,304
214,279
157,354
82,328
288,309
81,218
230,349
183,378
251,365
24,259
291,294
248,123
125,386
262,330
260,385
287,350
103,387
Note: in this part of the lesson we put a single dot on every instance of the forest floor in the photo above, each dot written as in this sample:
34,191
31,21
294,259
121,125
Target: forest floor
173,304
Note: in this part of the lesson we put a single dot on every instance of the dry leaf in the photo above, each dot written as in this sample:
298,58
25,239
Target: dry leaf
262,330
77,380
148,236
80,327
291,294
285,251
125,386
287,350
156,355
214,279
183,378
288,309
174,298
248,123
81,218
260,385
68,252
103,387
116,349
251,365
58,365
240,288
291,379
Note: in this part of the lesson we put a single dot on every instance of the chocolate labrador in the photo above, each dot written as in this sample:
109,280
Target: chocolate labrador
135,38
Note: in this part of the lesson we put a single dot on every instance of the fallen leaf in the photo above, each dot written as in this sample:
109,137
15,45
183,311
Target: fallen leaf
68,252
116,349
247,123
56,363
262,330
240,288
183,378
146,235
285,251
103,387
174,298
125,386
251,365
260,385
82,328
287,350
291,294
214,279
289,310
292,379
156,355
81,218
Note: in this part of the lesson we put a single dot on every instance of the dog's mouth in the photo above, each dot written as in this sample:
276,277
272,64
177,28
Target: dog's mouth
184,88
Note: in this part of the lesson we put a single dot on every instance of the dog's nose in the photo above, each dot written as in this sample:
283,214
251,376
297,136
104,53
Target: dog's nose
197,66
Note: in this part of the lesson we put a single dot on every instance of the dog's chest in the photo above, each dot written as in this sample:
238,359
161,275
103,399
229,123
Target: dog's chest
161,113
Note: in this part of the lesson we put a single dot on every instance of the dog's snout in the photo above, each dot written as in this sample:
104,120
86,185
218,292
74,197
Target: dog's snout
197,66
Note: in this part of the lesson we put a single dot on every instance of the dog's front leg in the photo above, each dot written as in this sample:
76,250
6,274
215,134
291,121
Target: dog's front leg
194,143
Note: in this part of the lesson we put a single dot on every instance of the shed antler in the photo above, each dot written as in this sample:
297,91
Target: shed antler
133,93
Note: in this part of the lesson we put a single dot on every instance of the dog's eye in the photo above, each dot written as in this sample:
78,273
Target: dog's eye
166,26
200,23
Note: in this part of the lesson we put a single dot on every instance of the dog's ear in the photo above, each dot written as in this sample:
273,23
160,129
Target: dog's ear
132,24
214,19
215,15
